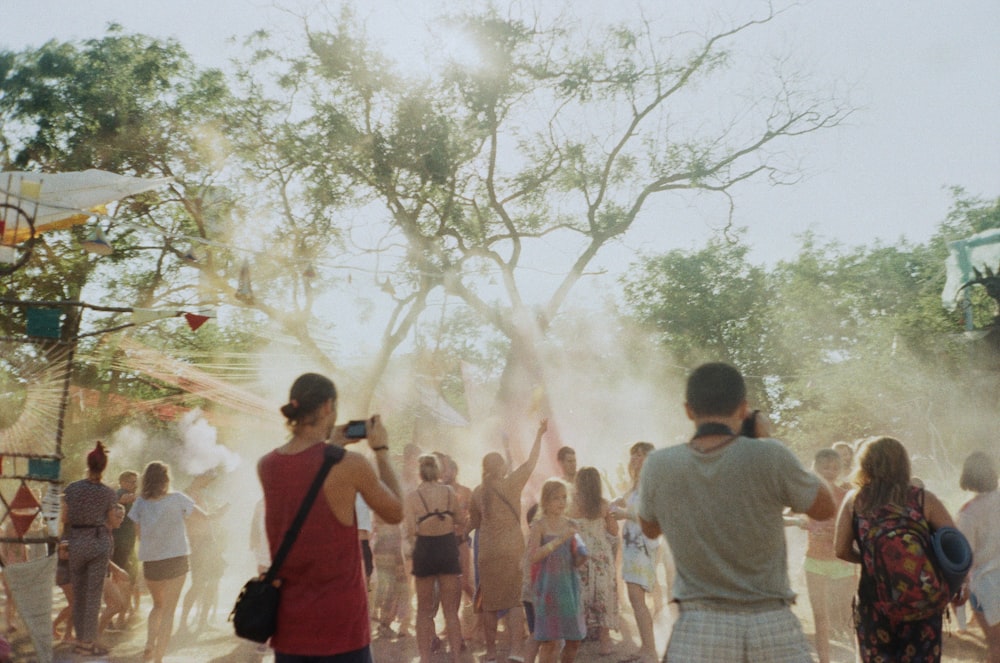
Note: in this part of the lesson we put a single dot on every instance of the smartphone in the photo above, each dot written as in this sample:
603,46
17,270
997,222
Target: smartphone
356,429
749,428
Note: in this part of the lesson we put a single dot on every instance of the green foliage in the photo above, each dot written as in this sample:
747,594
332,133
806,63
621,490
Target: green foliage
138,106
707,305
845,342
117,104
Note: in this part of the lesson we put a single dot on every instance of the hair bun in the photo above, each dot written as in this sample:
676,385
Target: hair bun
290,410
97,459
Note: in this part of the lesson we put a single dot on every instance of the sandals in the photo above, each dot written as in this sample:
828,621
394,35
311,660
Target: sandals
92,649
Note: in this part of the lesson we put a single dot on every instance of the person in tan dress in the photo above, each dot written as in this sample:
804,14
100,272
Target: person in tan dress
495,511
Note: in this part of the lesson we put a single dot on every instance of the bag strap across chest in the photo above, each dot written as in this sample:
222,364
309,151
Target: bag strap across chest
332,455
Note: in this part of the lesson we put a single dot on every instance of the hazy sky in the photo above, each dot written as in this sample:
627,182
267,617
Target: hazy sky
924,75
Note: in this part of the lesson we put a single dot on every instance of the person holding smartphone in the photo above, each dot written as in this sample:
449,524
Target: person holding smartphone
322,579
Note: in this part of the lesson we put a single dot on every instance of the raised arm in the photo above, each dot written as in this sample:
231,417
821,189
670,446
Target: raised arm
381,495
523,472
378,442
378,486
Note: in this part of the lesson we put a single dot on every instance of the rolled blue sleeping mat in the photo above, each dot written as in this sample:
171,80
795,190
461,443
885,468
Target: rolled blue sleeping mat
953,555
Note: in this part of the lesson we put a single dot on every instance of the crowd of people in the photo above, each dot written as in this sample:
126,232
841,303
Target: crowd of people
721,501
113,544
450,563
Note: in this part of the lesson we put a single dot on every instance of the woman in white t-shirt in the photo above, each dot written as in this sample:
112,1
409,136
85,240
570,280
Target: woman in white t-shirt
159,515
978,520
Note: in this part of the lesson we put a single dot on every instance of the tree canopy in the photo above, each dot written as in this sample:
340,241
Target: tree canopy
840,342
476,198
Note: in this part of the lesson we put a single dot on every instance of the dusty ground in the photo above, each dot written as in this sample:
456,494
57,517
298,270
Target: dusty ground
217,644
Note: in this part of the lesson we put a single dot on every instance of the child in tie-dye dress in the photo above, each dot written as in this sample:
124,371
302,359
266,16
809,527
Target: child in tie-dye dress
554,551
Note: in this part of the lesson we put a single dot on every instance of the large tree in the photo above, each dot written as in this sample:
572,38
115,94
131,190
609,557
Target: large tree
548,150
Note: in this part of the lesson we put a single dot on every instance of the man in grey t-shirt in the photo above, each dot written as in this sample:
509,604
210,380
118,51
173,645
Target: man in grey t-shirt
718,500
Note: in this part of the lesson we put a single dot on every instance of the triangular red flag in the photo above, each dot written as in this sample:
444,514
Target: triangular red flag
23,509
194,320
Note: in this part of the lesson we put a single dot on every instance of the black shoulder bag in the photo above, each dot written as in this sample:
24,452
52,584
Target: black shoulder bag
255,615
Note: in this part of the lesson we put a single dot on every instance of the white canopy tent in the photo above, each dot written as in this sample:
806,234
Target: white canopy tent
62,200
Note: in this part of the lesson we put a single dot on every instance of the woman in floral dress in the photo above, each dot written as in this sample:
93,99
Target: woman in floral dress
638,554
599,530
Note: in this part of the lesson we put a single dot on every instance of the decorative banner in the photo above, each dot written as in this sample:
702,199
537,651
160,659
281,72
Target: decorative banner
143,315
194,320
23,509
43,468
97,243
978,251
44,322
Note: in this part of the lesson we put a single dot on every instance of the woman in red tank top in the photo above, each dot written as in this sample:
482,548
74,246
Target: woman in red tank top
323,614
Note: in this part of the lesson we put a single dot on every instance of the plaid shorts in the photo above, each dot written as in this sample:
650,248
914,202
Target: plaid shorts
713,635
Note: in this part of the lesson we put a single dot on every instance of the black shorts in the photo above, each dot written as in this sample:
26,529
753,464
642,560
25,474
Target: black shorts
363,655
165,569
436,556
62,572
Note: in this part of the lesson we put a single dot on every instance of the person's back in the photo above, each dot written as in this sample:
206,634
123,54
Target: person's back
978,520
884,525
322,577
719,500
722,515
981,511
323,609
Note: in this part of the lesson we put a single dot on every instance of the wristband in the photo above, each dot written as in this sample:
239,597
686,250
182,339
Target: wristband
384,447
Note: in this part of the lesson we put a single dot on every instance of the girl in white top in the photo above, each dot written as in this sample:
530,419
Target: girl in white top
978,519
159,516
